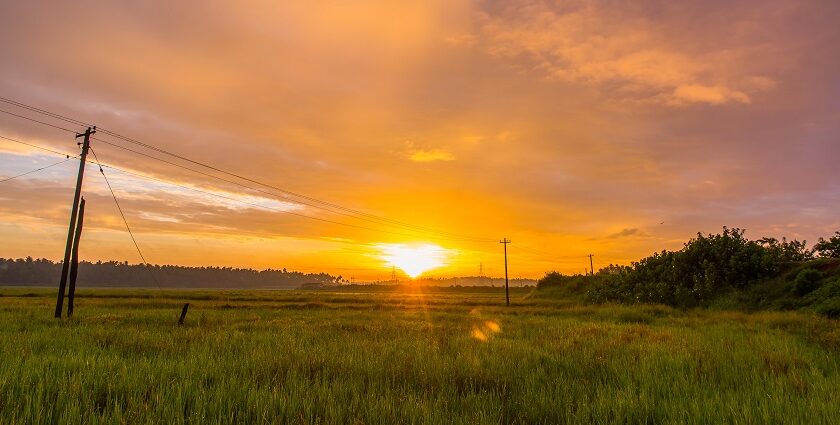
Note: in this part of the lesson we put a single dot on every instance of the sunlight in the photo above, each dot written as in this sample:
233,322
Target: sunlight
414,259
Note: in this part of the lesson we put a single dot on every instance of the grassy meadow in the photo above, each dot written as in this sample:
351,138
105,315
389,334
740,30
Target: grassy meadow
414,355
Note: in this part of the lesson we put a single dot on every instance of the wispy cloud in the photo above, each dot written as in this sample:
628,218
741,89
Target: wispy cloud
552,121
426,155
626,232
622,49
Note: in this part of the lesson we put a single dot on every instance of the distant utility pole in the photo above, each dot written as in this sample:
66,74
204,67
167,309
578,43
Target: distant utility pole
62,284
591,267
394,274
505,242
481,269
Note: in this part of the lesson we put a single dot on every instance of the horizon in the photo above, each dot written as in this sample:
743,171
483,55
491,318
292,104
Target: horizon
362,140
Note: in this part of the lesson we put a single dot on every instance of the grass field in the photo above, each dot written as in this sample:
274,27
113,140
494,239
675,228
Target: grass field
411,356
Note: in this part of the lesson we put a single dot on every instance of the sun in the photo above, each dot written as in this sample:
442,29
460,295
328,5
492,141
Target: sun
414,259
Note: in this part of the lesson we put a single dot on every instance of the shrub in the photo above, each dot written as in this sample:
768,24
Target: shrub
807,281
826,299
550,279
707,266
554,284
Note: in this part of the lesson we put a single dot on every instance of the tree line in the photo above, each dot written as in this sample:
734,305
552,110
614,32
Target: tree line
29,271
712,267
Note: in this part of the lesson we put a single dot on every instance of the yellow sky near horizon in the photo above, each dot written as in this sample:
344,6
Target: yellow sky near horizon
576,127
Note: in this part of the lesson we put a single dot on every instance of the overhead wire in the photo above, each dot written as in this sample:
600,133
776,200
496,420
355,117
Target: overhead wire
546,255
36,121
127,227
167,182
43,111
285,191
217,195
267,193
311,202
38,169
327,206
34,146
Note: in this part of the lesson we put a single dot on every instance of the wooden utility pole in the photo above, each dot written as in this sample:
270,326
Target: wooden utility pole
74,259
591,267
62,284
505,242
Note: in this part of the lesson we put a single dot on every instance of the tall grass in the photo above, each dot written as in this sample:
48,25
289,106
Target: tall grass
296,357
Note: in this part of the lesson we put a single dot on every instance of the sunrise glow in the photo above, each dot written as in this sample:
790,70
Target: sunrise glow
414,260
612,129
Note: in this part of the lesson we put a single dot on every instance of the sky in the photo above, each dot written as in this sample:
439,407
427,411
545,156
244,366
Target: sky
616,128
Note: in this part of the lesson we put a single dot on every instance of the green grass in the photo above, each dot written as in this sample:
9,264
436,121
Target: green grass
420,356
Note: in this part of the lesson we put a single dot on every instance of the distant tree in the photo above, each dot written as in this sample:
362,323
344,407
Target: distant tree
784,251
113,273
551,279
828,248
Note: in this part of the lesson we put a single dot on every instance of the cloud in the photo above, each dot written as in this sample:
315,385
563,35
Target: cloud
416,154
621,49
564,119
626,232
715,95
430,155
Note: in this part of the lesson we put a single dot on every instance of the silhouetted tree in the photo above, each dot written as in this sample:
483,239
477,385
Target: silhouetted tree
828,248
113,273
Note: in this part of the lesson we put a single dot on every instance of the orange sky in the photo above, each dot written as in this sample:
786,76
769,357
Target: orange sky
616,128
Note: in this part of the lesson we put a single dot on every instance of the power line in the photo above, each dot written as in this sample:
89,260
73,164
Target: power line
37,121
328,206
285,191
248,203
36,170
285,199
127,227
218,178
225,197
45,112
34,146
349,212
255,189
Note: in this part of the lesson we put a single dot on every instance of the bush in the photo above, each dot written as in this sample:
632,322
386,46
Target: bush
554,284
724,270
706,267
807,281
826,299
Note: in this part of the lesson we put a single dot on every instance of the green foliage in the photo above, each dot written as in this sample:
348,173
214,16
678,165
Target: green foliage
807,281
828,248
386,357
556,285
784,251
707,266
826,299
725,270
